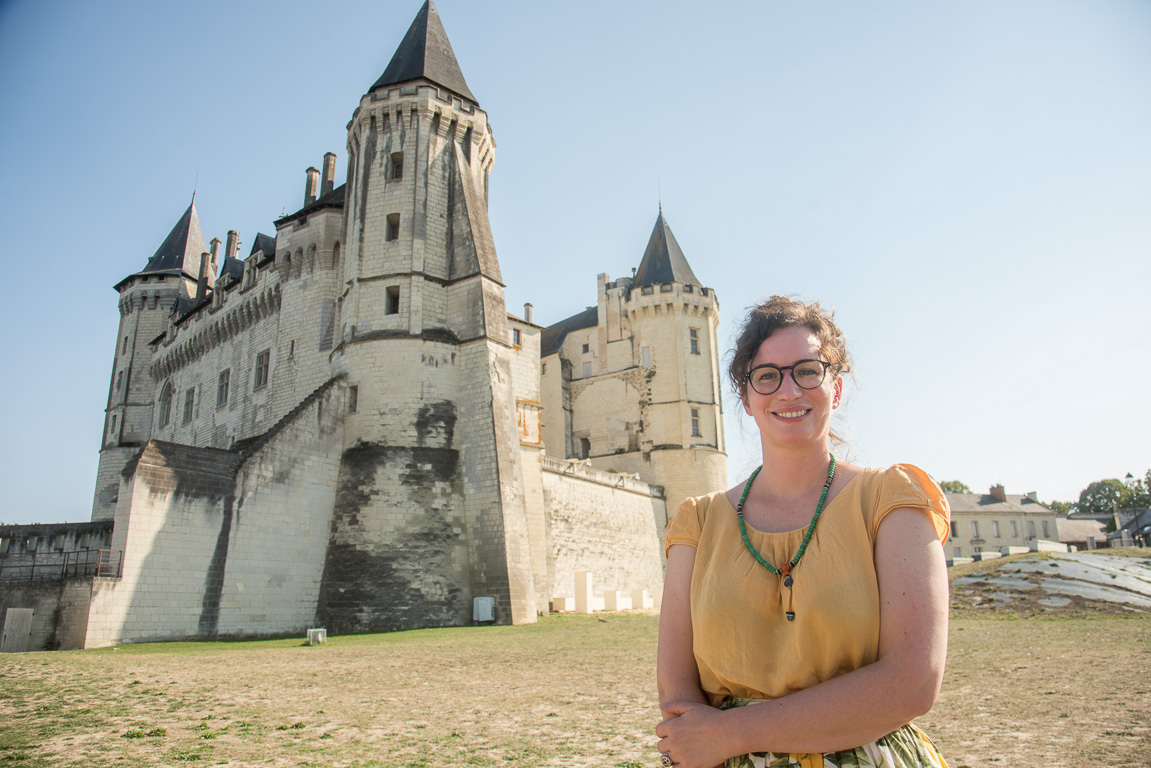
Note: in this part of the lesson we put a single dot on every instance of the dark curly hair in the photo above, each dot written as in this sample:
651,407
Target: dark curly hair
785,312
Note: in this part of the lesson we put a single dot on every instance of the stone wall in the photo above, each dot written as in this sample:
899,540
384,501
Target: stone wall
601,523
60,606
221,543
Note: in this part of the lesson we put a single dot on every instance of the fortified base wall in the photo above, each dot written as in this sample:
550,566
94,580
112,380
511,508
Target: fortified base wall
60,610
194,512
603,523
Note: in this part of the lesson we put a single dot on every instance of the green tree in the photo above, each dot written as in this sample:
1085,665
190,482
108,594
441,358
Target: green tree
1101,497
1137,493
1061,507
954,486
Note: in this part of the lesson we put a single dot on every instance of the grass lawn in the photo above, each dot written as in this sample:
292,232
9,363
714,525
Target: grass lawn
569,691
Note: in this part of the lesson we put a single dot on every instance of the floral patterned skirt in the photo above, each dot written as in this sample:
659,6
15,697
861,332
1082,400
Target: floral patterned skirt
907,747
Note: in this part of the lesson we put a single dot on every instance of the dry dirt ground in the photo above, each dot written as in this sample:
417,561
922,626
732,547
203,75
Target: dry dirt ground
1053,687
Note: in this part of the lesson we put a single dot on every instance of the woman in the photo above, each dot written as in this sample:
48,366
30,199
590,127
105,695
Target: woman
816,590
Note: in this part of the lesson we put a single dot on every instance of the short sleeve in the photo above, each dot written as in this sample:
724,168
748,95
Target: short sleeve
905,485
684,528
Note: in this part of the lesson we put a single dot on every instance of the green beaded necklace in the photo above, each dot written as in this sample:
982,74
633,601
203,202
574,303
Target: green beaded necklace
784,571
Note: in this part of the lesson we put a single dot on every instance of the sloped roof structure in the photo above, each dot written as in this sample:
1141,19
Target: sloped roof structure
663,261
426,54
180,252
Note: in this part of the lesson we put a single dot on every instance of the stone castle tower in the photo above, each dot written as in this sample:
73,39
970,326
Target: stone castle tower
435,422
348,429
633,384
147,299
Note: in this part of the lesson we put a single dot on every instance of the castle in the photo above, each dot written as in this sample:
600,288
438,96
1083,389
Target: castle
348,429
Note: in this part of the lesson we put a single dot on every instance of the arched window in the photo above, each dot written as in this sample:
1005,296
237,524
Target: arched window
166,404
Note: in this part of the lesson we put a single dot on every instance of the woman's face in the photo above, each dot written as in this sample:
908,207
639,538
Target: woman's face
792,415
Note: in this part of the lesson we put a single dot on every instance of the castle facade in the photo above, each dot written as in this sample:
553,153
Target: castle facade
347,428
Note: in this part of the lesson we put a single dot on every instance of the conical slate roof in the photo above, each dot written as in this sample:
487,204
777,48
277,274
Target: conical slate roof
180,251
663,261
425,53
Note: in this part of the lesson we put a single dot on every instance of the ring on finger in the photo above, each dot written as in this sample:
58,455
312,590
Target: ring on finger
665,760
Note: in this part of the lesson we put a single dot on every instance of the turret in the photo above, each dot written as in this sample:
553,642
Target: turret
673,318
147,298
422,338
648,348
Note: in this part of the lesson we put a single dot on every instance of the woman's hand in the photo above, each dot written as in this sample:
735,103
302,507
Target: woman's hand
692,733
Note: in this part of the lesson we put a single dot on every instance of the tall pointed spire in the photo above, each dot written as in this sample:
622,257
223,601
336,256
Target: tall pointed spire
182,248
180,252
663,261
426,54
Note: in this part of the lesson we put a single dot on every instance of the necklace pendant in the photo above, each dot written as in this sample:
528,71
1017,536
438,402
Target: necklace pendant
791,615
788,581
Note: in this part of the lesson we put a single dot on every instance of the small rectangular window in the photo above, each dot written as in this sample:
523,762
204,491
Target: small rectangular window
1045,533
645,355
954,528
113,431
587,370
694,335
189,404
543,369
666,288
586,347
584,448
688,288
263,362
1014,530
58,545
353,399
393,300
695,422
974,530
1030,529
222,385
957,551
393,230
125,350
84,539
32,543
397,165
516,336
292,348
119,379
995,528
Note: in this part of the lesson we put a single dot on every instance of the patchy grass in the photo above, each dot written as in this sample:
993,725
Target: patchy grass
568,692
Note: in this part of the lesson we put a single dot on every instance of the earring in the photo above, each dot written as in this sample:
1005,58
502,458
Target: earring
835,402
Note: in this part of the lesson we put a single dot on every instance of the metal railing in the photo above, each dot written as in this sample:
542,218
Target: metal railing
77,564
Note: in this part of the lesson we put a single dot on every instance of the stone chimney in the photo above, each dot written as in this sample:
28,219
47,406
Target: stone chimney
329,180
311,186
205,270
233,244
215,260
998,493
528,312
1033,496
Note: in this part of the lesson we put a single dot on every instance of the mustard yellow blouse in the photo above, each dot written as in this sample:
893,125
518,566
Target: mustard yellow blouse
743,644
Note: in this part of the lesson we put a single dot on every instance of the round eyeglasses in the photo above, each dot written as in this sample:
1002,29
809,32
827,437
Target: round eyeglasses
807,374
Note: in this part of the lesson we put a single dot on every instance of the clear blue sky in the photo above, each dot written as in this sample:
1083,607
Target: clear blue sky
968,184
